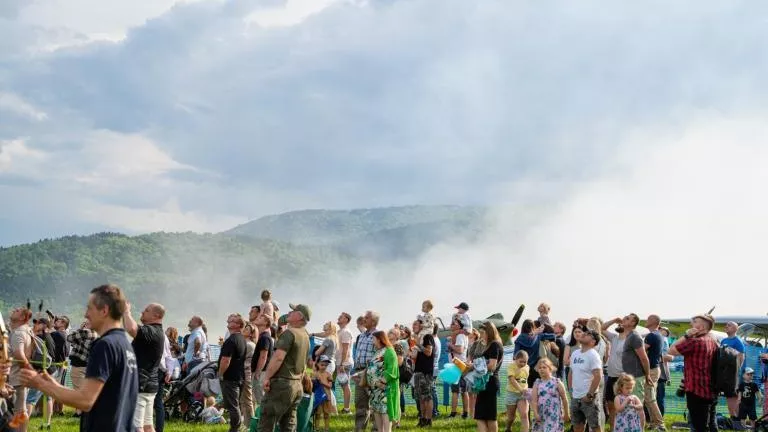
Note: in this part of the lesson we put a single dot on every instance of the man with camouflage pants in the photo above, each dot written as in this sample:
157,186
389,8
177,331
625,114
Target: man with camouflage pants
282,382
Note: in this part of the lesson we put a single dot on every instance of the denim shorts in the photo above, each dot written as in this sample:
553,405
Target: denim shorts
513,398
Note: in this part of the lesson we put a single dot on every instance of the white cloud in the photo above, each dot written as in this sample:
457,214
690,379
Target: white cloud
169,217
107,20
18,159
291,13
13,103
109,157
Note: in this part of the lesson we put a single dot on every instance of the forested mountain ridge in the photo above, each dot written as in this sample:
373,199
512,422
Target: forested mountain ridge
333,227
277,251
62,270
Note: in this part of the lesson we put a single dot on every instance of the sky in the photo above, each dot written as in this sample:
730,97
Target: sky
640,124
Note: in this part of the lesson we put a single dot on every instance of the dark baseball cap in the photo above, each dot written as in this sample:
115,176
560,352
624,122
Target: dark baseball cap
42,320
462,305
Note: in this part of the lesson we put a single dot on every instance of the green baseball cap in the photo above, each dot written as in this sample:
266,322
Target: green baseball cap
304,309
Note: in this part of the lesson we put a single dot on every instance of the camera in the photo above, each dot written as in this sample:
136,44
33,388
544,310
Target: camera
680,392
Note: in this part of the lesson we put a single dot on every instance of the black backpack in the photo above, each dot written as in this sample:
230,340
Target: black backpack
406,370
725,370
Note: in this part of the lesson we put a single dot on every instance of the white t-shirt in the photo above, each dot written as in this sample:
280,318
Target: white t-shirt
436,353
345,336
462,341
582,366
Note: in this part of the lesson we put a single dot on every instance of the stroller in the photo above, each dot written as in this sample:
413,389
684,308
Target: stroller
185,400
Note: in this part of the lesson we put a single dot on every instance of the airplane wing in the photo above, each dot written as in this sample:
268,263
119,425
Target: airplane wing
679,325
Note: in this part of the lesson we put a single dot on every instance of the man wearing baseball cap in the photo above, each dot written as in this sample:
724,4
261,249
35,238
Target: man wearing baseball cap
462,314
282,381
698,349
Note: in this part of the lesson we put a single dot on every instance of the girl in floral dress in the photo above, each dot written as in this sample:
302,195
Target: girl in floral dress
629,408
548,400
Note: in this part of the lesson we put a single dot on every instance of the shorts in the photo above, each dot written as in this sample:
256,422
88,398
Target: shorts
609,394
730,394
422,386
513,398
585,412
33,396
747,412
639,389
77,375
142,416
20,399
459,388
257,387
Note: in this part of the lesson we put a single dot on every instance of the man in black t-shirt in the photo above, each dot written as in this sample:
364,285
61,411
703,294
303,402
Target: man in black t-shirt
261,355
148,344
232,370
423,374
108,395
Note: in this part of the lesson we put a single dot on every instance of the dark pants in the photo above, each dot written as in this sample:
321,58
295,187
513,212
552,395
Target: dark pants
230,392
532,377
159,406
402,398
435,403
701,413
661,394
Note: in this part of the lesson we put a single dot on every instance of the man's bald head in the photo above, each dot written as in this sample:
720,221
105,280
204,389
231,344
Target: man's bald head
731,328
157,310
653,321
153,313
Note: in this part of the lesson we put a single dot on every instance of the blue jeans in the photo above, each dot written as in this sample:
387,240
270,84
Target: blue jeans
661,393
159,406
435,412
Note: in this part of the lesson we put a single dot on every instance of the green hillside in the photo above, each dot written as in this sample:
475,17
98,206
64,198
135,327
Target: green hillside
292,252
153,266
333,227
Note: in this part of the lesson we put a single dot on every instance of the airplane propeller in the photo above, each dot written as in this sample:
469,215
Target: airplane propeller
745,330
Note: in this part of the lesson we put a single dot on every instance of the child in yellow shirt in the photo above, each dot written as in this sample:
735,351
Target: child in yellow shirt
517,389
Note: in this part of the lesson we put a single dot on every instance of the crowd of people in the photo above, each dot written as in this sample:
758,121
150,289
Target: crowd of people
591,375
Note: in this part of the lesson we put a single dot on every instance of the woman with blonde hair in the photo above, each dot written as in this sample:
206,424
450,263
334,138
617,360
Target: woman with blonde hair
173,338
476,349
329,345
246,393
486,409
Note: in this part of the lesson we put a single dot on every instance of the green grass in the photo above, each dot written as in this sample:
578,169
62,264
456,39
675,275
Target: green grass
340,423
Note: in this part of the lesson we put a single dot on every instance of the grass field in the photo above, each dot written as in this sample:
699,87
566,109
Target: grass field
341,423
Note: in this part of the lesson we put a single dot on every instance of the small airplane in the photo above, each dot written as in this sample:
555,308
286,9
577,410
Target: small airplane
752,328
506,329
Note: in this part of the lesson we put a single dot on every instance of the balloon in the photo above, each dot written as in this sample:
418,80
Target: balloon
450,374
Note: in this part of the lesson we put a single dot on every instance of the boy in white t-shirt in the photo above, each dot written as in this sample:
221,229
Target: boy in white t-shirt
584,379
458,346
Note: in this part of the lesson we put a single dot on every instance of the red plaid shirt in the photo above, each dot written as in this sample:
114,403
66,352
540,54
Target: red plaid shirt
698,354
